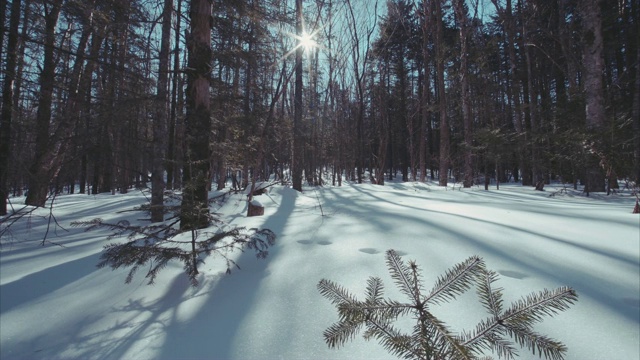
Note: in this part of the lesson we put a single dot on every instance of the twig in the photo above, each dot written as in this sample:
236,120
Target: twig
318,198
51,216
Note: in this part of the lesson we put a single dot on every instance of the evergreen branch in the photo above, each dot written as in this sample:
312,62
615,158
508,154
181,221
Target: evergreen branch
374,290
490,298
391,339
445,342
341,332
550,348
431,338
488,335
381,311
455,281
335,293
402,276
534,306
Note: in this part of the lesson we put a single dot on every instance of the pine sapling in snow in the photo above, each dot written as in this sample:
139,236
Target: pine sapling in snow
430,337
154,246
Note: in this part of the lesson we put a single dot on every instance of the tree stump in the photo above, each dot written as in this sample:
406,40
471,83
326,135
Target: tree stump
255,208
636,209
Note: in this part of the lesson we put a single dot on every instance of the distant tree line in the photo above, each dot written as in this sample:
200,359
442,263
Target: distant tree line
108,95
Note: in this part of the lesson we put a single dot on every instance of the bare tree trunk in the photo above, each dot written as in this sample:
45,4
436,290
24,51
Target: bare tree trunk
84,89
593,64
444,123
360,71
39,173
298,141
7,101
461,15
425,154
3,13
636,108
159,125
195,206
531,102
171,148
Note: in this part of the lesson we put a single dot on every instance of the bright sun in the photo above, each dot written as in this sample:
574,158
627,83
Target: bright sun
306,42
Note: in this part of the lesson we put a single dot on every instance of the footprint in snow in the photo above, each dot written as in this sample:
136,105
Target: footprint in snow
369,251
310,242
513,274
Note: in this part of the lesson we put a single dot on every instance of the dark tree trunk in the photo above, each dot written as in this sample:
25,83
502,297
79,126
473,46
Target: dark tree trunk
160,123
40,171
461,15
298,141
425,97
85,90
171,148
7,101
636,101
3,14
593,64
195,206
442,108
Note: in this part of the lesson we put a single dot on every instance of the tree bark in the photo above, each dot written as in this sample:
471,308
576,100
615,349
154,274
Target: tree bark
160,123
461,15
593,66
636,100
298,141
425,154
3,12
7,101
442,101
171,147
195,206
39,173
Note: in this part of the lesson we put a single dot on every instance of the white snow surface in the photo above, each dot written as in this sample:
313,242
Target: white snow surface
55,303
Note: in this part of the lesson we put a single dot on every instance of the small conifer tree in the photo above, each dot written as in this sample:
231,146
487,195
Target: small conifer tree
431,338
154,246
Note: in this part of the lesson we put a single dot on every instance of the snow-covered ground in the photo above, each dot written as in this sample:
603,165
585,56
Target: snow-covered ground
55,303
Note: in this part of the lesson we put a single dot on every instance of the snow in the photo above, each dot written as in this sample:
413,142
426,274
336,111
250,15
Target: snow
256,203
55,303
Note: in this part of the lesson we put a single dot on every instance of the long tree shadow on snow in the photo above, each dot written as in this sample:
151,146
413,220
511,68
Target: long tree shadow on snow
211,332
361,209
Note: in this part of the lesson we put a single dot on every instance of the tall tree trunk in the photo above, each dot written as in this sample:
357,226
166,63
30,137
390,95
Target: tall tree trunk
442,101
160,123
461,15
298,141
531,101
636,97
84,89
7,101
3,12
171,147
513,85
425,154
195,206
593,65
39,172
636,103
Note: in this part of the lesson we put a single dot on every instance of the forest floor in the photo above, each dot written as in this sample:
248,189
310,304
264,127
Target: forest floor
55,303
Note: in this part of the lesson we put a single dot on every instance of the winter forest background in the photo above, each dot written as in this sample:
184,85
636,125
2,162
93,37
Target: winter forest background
104,96
355,119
